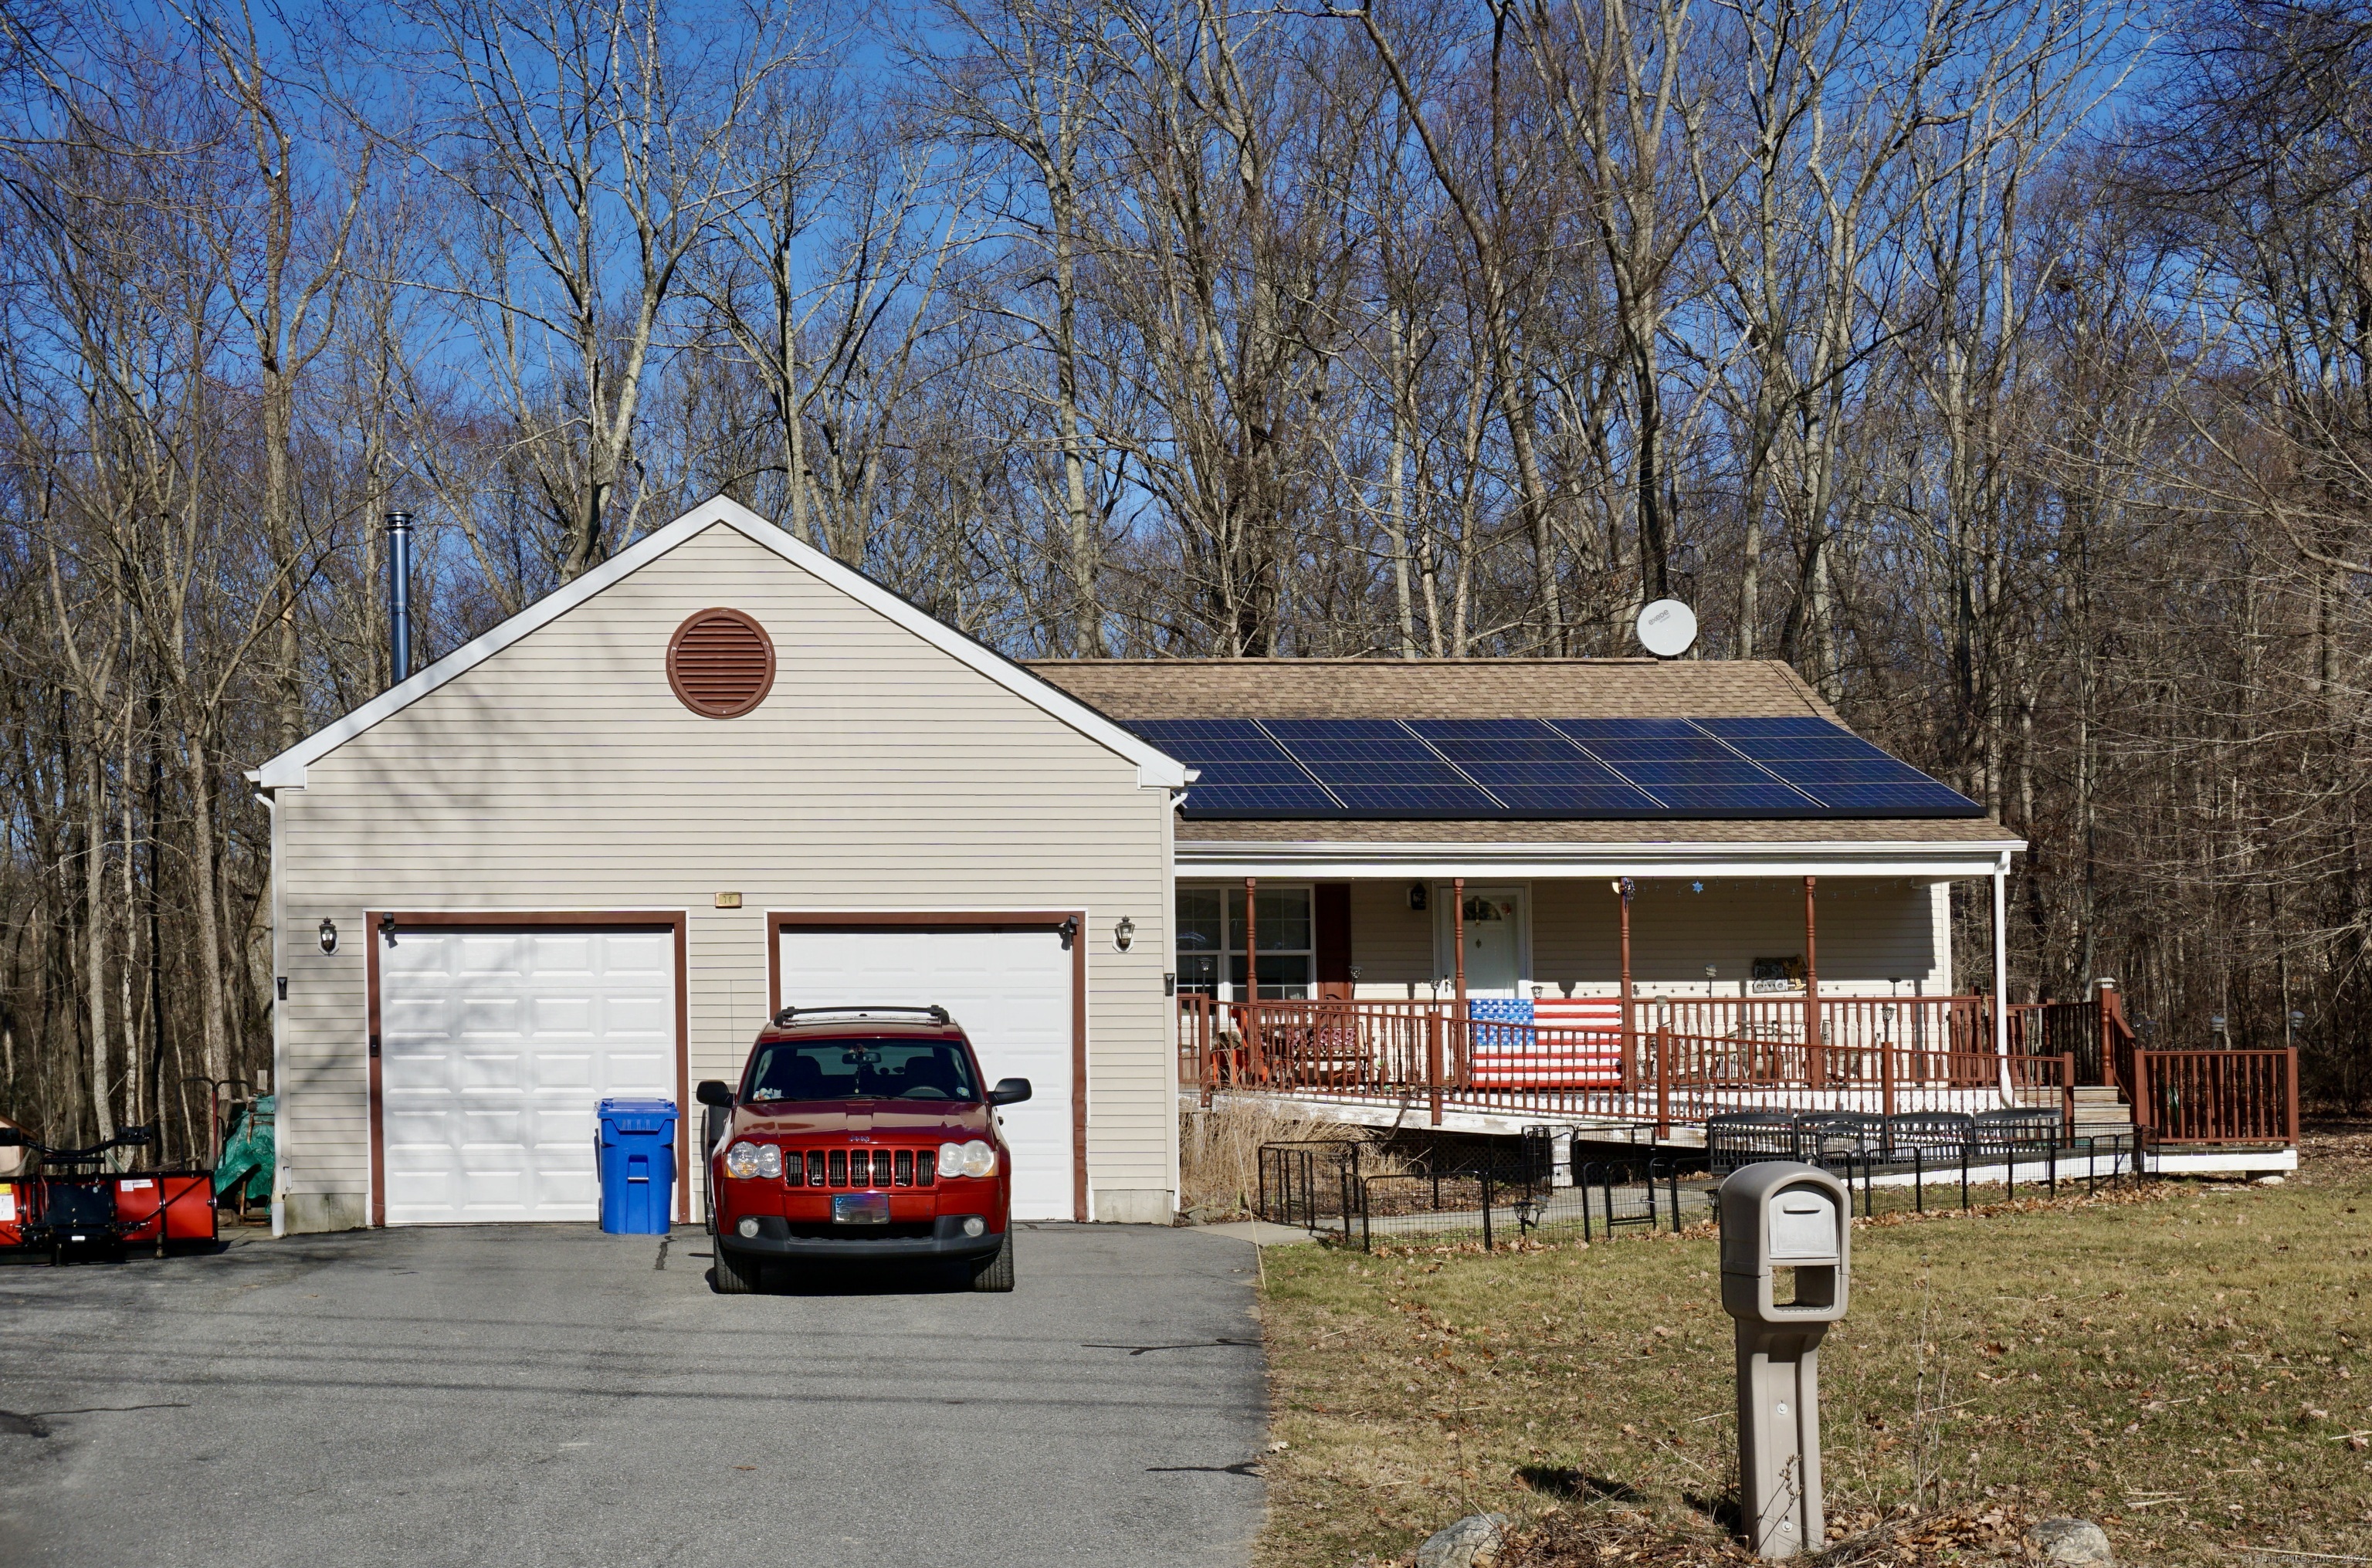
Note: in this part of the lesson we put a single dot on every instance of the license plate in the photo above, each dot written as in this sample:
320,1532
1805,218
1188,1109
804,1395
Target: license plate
860,1208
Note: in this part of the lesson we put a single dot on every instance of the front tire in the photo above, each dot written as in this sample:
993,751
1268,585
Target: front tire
997,1274
731,1274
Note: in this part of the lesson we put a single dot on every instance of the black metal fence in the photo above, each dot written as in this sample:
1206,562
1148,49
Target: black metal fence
1737,1138
1361,1194
1311,1183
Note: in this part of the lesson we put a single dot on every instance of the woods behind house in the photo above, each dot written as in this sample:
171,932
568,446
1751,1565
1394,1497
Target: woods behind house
2002,368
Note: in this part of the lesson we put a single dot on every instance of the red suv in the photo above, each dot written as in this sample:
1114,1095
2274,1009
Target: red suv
860,1133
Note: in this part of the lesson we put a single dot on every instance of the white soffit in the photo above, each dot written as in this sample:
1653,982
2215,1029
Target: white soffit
1154,769
1218,858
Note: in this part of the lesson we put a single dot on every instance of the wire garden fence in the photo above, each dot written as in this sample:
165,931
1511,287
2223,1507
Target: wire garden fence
1552,1181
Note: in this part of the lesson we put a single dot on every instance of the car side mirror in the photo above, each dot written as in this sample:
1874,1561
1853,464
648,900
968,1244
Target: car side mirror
715,1092
14,1138
1009,1091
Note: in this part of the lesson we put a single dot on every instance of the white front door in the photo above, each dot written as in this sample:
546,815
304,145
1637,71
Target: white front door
496,1047
1494,937
1011,992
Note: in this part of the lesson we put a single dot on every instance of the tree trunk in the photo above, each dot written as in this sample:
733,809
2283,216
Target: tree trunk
94,888
214,1002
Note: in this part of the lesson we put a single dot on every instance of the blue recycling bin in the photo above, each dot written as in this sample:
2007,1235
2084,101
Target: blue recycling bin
638,1145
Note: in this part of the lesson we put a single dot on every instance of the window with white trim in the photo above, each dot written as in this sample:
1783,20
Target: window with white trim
1211,930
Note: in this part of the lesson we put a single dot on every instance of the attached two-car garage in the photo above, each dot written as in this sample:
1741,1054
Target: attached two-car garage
496,1043
585,856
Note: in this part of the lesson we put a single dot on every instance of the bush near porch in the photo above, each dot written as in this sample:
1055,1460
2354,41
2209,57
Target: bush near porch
2189,1364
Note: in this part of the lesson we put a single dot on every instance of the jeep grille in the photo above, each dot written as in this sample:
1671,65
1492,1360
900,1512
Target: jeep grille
872,1168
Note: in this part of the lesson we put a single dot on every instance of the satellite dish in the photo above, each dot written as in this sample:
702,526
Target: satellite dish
1667,628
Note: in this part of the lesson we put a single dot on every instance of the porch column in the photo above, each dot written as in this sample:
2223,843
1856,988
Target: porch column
2001,974
1461,1043
1815,1050
1251,933
1623,886
1251,974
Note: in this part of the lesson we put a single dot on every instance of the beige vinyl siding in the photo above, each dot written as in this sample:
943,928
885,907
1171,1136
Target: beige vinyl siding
1870,932
879,774
1390,943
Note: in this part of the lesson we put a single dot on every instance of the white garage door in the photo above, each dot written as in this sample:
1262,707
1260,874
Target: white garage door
495,1046
1011,992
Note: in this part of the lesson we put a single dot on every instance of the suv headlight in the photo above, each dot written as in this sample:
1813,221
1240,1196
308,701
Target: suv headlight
975,1159
746,1159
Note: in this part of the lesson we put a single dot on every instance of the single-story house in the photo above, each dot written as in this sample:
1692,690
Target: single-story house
589,852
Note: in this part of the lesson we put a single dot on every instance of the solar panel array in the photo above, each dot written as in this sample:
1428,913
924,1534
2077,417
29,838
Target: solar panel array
1543,769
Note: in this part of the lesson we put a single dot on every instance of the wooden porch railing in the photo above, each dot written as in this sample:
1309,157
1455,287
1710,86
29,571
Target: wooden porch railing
2094,1031
2216,1096
1945,1024
1884,1056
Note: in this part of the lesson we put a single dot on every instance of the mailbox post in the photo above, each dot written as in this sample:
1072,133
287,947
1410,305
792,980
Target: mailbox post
1776,1216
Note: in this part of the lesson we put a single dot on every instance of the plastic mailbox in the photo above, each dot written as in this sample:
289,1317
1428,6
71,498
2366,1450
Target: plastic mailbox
637,1163
1779,1215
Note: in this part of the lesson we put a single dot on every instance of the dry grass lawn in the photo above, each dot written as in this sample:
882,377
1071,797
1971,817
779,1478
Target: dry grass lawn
2185,1364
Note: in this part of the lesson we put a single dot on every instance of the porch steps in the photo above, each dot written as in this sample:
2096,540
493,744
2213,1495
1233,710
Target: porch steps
2100,1109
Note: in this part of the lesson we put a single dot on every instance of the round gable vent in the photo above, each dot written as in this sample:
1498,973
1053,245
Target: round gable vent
721,663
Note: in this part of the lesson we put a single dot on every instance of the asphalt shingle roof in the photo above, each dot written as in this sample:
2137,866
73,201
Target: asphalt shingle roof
1134,690
1128,689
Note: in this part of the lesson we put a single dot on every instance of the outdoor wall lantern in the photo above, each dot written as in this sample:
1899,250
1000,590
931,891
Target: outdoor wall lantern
1416,897
386,928
329,934
1124,934
1069,931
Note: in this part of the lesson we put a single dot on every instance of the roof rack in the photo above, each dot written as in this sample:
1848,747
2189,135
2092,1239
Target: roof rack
936,1014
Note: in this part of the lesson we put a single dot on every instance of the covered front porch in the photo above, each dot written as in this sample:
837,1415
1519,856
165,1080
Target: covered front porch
1645,994
1642,994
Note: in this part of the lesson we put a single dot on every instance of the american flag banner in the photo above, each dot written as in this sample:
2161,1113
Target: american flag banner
1554,1042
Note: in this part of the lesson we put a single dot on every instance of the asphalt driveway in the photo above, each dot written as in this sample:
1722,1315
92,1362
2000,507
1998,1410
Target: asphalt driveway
547,1395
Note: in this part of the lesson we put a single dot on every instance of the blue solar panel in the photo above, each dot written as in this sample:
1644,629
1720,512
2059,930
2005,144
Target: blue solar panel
1841,769
1769,728
1627,729
1691,772
1926,798
1244,773
1534,769
1376,765
1546,769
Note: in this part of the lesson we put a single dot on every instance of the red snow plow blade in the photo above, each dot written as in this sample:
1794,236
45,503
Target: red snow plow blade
72,1203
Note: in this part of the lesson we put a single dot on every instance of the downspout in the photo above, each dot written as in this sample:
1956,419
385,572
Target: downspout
279,1012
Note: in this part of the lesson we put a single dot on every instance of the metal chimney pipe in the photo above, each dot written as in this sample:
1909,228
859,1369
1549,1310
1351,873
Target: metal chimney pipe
399,595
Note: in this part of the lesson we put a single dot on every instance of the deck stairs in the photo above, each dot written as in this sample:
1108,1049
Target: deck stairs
2100,1109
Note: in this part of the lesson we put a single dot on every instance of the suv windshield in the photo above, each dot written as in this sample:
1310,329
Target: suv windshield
861,1069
